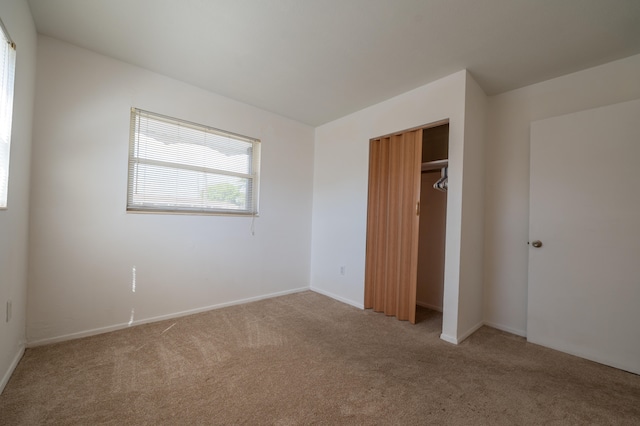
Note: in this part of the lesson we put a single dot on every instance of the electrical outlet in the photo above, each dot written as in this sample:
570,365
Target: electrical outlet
9,310
343,270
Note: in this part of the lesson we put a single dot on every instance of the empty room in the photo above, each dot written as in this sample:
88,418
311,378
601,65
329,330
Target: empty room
319,212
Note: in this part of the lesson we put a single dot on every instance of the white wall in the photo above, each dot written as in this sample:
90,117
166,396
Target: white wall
84,245
470,308
14,221
507,179
340,191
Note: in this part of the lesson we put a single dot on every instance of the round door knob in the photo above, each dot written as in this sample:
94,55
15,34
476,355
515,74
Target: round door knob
537,243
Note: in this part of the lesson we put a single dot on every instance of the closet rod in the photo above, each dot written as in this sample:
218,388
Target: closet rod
434,165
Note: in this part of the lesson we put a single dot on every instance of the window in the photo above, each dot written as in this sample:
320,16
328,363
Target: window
7,73
182,167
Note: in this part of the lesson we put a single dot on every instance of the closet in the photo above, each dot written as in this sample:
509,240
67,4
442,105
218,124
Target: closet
433,218
400,202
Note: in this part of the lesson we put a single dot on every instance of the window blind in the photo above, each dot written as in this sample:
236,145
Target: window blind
183,167
7,75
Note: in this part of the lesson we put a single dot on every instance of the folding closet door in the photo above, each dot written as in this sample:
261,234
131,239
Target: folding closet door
374,289
392,224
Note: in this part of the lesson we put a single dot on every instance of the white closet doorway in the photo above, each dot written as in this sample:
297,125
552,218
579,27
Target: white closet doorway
433,217
404,263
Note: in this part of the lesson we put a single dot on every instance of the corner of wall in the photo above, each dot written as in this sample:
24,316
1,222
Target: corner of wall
507,174
471,309
12,368
14,221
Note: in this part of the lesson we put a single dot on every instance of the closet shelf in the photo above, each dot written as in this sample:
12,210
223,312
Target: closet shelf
434,165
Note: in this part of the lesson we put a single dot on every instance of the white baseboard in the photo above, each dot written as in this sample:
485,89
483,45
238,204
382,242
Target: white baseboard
338,298
107,329
449,339
429,306
12,367
501,327
460,339
475,328
470,332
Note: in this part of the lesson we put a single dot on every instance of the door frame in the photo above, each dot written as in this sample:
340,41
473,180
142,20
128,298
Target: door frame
386,258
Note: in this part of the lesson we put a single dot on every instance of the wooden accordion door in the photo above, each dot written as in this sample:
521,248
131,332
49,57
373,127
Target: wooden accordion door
392,224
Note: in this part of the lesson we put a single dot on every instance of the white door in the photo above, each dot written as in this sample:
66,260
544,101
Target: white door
584,281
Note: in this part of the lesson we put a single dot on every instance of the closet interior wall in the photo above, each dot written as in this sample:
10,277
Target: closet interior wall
433,212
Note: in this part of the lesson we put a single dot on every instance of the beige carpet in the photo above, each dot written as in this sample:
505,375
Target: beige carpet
306,359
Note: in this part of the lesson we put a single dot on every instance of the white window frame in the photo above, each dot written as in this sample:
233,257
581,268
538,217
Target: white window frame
151,205
7,77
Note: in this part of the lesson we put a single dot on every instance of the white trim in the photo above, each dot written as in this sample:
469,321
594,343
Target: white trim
338,298
448,338
501,327
458,340
121,326
429,306
580,353
12,367
6,34
470,331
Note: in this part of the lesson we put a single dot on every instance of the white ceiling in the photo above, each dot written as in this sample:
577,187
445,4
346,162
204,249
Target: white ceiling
318,60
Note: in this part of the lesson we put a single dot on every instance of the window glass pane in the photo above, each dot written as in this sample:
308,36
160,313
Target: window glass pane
160,186
7,70
226,154
181,166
